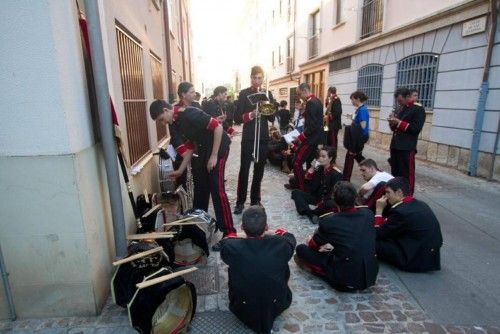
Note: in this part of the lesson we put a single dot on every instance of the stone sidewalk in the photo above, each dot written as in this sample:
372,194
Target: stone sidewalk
388,307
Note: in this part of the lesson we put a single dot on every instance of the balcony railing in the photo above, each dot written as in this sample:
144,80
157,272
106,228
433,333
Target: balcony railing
313,46
372,18
290,65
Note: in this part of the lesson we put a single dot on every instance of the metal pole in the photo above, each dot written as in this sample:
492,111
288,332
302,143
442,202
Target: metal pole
492,168
6,285
483,93
106,126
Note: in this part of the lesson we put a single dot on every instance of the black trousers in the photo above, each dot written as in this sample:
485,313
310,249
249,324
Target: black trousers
206,184
403,164
246,160
332,139
305,153
314,260
349,164
302,200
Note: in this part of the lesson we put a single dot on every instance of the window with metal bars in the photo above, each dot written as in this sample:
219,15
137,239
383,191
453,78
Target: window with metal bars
134,100
419,72
161,130
372,17
370,83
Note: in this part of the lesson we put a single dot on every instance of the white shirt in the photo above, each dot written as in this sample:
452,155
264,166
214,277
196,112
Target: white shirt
376,179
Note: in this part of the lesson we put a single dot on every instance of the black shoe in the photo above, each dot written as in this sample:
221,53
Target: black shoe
238,209
217,246
256,203
289,186
313,219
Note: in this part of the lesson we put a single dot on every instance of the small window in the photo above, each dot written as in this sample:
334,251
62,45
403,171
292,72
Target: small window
370,83
340,64
419,72
339,11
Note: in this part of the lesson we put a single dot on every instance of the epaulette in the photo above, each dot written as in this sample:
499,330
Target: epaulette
326,214
417,104
361,206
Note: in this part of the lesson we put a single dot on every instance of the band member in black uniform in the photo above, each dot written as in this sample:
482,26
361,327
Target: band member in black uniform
196,101
247,114
230,109
312,134
320,181
410,237
206,135
215,108
342,250
333,117
258,271
284,117
406,125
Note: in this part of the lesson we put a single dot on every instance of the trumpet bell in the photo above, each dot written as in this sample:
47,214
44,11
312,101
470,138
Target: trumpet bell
267,109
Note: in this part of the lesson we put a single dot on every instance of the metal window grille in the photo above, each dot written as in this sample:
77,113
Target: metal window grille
372,17
338,11
339,64
161,130
419,72
370,82
134,100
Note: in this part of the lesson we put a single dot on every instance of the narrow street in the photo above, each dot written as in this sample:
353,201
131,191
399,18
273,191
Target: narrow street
464,297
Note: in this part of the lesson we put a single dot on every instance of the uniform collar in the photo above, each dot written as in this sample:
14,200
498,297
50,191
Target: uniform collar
350,210
410,102
405,199
178,109
310,97
253,88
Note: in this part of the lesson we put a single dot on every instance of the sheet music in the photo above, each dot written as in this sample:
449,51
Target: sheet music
291,136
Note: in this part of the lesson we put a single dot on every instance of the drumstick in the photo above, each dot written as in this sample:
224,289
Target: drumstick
164,278
181,221
150,236
138,256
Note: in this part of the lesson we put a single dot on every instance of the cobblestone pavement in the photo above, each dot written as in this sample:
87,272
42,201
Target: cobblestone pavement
316,308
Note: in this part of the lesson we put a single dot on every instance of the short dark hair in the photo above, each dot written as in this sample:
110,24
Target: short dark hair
369,163
198,95
256,70
344,194
399,183
332,90
219,90
254,221
359,95
304,86
283,103
403,91
183,88
413,90
156,108
331,152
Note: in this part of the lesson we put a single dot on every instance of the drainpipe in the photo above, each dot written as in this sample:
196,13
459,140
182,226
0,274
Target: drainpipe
483,93
6,286
171,89
106,126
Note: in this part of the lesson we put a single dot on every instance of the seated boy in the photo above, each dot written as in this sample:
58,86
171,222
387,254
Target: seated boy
410,237
258,271
342,250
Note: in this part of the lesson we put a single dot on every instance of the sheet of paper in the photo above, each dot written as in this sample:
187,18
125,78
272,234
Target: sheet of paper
171,151
291,136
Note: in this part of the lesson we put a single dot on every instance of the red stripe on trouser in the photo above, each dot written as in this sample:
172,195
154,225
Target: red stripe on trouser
223,198
314,268
297,166
348,165
411,171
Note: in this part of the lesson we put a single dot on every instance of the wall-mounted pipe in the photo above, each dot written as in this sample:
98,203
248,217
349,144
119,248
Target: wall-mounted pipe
106,126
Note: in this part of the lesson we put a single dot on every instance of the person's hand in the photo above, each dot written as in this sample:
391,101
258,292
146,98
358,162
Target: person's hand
326,118
348,116
308,239
254,114
325,248
175,174
381,203
212,161
393,119
234,133
221,118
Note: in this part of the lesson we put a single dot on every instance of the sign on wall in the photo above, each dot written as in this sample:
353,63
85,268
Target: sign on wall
474,26
283,91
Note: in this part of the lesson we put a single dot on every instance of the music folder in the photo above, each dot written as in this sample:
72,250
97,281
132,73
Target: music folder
257,97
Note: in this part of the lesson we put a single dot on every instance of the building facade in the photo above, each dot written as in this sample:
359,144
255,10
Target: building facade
56,232
375,46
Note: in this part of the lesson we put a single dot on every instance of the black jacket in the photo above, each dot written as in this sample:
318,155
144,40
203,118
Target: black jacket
244,107
320,184
313,133
352,263
193,128
215,109
354,141
258,278
283,117
335,113
411,237
405,135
